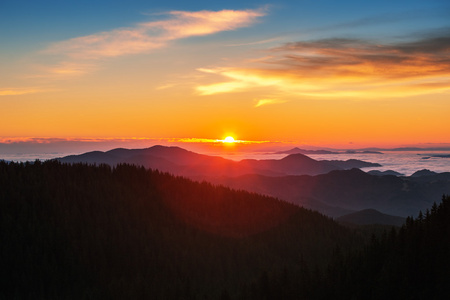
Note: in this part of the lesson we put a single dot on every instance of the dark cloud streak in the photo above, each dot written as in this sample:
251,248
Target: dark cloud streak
340,55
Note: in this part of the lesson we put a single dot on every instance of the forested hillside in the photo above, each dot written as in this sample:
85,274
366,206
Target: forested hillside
97,232
411,263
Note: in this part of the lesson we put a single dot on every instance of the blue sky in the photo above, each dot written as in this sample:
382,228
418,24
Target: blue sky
54,20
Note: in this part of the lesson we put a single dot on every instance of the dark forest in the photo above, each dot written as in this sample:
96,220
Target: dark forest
79,231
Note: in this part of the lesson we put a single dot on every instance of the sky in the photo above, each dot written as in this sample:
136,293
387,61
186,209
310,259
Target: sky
324,73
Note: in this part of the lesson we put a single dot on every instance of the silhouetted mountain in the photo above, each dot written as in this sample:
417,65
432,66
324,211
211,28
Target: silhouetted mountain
343,191
351,164
168,159
363,152
294,164
371,216
94,157
297,150
145,157
334,192
198,166
435,178
423,172
384,173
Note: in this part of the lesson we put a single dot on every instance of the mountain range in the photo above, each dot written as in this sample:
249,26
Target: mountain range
334,188
297,150
179,161
344,191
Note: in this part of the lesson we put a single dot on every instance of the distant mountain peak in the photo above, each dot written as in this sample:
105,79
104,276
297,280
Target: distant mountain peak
297,150
424,172
296,156
384,173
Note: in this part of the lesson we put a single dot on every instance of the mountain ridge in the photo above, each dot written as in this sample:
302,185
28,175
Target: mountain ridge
183,162
296,178
344,191
371,216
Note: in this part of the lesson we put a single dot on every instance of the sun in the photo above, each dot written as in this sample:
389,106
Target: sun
229,139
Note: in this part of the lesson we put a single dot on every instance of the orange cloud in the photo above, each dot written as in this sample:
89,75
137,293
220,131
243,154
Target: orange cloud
71,68
186,24
213,141
50,140
22,91
344,68
262,102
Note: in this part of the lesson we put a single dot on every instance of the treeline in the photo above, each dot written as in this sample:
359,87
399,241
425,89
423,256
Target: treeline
96,232
410,263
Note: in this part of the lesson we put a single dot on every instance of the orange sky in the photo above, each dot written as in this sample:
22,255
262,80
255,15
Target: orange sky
212,73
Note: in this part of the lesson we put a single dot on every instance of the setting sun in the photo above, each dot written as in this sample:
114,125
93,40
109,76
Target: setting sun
229,139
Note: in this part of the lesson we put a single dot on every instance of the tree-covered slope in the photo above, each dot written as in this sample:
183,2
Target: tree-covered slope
97,232
411,263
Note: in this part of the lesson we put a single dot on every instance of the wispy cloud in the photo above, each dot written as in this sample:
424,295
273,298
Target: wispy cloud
56,140
241,79
78,54
21,91
166,86
214,141
71,68
267,101
345,68
255,42
51,140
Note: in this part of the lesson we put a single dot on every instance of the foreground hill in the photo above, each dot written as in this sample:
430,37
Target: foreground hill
198,166
97,232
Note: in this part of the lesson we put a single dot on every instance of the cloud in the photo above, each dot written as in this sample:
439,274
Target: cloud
344,68
213,141
21,91
71,68
255,43
262,102
52,140
145,37
241,79
56,140
166,86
